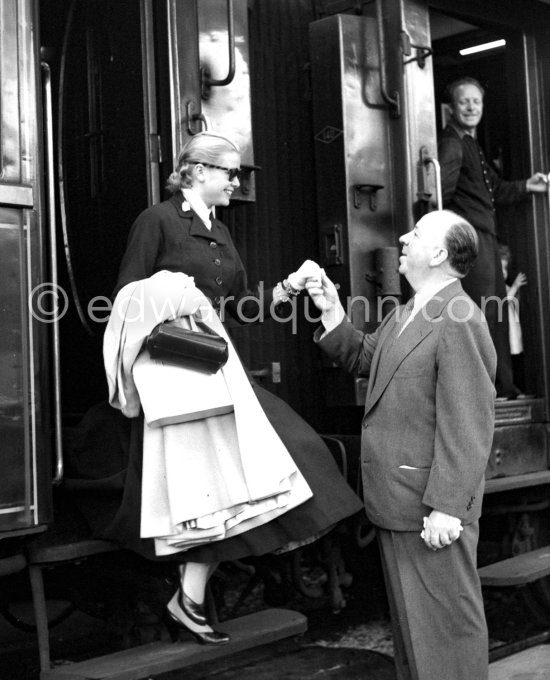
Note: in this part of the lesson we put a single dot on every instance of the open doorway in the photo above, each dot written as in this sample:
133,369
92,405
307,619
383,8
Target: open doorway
493,56
95,54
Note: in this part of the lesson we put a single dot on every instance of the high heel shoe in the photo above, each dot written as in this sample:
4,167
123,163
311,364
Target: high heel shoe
188,606
175,627
193,610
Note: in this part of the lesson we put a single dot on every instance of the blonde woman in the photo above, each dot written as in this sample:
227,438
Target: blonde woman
181,235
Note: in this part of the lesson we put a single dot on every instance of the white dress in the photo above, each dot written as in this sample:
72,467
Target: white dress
207,479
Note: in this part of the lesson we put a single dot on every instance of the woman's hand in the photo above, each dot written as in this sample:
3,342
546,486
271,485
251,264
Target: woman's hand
307,270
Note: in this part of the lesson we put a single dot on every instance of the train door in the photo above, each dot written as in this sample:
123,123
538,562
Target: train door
501,54
375,132
501,57
24,397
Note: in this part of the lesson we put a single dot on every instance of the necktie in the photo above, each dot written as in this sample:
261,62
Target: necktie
401,316
404,315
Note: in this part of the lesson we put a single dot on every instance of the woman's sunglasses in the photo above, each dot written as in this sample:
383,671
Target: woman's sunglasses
231,172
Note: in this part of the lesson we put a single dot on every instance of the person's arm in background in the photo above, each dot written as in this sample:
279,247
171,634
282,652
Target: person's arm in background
509,192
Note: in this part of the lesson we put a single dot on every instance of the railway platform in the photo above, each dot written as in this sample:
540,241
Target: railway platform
353,645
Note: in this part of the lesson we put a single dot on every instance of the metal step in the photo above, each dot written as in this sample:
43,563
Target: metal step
518,570
145,661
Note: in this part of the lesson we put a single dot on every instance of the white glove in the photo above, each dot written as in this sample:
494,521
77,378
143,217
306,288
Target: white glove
307,270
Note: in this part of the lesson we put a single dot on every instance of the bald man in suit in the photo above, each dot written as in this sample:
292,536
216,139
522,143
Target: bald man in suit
426,438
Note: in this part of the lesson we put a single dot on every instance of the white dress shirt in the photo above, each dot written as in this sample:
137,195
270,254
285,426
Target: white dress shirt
194,202
423,296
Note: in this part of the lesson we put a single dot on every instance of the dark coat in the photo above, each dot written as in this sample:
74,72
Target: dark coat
164,237
472,188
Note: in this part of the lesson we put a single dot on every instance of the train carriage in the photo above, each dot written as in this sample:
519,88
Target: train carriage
337,105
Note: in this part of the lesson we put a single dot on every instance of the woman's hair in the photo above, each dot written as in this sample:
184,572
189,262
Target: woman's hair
205,147
451,88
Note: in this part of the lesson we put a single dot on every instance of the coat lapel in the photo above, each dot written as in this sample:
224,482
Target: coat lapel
389,359
197,226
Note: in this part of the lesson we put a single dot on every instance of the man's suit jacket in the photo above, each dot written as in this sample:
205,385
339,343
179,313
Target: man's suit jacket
429,413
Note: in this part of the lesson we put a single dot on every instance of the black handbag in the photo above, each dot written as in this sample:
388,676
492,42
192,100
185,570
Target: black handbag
201,350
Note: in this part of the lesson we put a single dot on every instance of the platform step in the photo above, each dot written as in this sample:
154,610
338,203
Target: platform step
139,663
518,570
530,664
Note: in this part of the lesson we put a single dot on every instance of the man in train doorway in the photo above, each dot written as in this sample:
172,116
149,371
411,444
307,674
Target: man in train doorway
471,188
426,438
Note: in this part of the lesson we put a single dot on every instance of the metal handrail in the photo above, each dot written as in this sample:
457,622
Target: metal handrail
61,177
52,226
437,179
209,82
392,100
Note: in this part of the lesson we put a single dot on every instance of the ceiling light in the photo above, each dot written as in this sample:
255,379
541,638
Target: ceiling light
481,48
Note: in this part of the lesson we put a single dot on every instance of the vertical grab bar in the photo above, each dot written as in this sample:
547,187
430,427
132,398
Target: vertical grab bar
393,99
58,477
209,82
437,173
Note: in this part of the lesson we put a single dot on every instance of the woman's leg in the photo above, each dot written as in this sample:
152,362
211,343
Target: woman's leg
194,577
185,609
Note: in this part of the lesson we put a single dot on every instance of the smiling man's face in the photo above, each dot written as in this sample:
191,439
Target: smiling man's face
467,106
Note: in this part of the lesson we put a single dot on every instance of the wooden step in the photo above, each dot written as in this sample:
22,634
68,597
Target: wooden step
499,484
145,661
530,664
518,570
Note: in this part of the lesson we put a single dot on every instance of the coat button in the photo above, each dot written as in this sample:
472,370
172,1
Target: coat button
219,280
213,244
217,262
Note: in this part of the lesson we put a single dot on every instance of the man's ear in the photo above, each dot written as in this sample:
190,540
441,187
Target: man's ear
439,257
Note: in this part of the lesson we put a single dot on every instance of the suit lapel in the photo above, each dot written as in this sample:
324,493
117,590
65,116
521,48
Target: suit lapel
389,359
387,335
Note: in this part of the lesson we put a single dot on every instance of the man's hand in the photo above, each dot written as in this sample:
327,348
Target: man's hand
440,530
538,183
325,296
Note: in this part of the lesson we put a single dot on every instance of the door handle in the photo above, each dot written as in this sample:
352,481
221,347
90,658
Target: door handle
430,160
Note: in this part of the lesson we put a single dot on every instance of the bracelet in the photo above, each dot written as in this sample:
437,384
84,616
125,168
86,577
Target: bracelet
284,291
290,289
